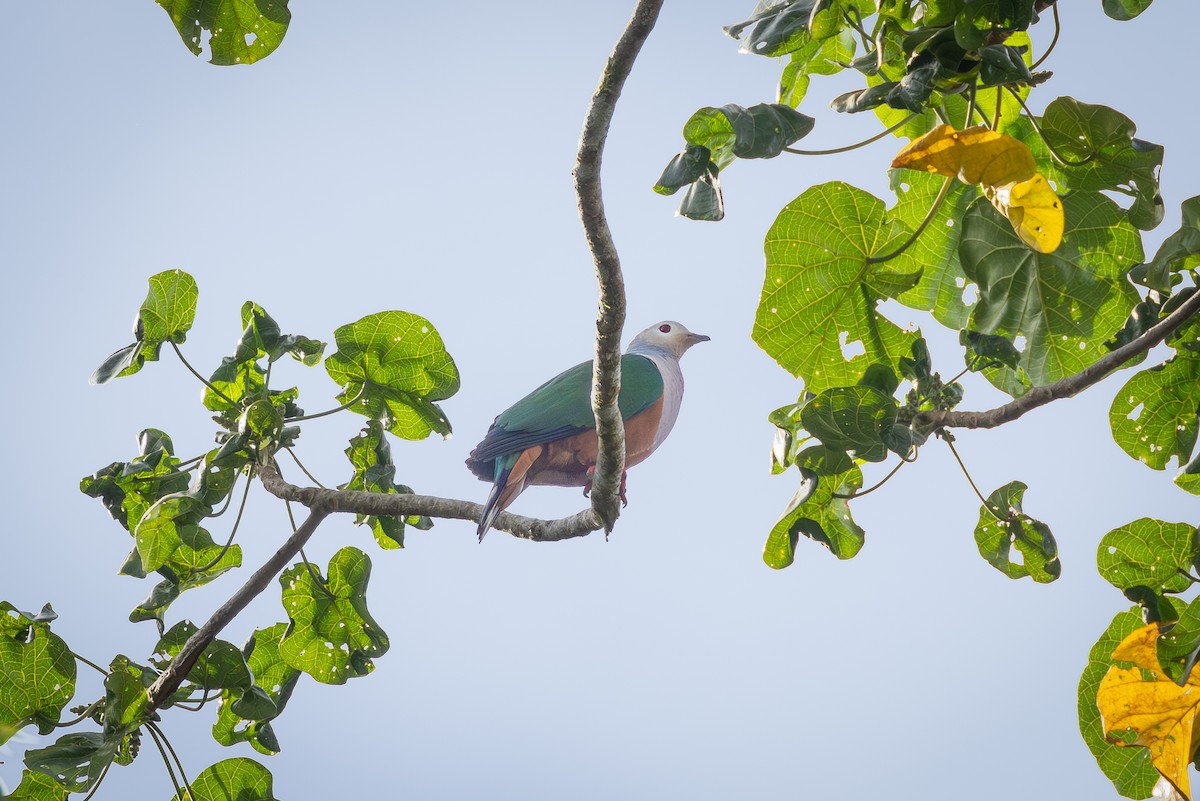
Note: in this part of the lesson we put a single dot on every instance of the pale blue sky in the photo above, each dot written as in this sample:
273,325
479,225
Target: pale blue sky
418,157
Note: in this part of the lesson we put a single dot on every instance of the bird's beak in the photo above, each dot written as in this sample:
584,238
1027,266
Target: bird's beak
692,339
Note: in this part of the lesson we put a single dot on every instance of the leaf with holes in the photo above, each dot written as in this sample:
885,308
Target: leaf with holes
943,288
825,57
1066,304
1141,707
1129,769
37,671
36,786
1178,644
239,31
332,635
1153,417
1102,154
818,299
980,20
1149,553
815,513
775,29
75,761
274,678
1179,251
166,315
128,489
397,366
1003,525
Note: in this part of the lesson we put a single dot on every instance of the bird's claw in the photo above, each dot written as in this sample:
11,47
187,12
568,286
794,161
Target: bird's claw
587,488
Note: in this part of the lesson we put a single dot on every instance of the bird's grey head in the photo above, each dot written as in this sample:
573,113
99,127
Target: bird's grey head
668,336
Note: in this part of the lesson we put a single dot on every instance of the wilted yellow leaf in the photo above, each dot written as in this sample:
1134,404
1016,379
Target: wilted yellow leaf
1005,169
976,155
1034,210
1144,701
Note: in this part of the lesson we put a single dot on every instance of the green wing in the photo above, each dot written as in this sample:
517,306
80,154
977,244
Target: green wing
563,406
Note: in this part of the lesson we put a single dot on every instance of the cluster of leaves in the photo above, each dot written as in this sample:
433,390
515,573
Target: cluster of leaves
1005,229
392,368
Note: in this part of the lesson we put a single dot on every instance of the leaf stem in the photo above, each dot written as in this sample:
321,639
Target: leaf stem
854,146
87,713
344,406
228,499
203,380
304,470
1053,42
1060,158
971,481
237,521
933,210
99,781
154,735
884,480
89,663
970,106
179,764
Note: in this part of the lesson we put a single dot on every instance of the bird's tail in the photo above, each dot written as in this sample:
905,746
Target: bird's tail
495,503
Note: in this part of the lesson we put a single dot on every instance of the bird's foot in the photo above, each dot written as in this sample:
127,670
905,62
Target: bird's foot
587,488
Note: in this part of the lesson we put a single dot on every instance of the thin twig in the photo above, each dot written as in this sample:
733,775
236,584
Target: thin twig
1064,388
328,412
1060,158
851,496
237,521
303,469
179,764
154,735
89,663
1053,42
971,481
933,210
203,380
856,145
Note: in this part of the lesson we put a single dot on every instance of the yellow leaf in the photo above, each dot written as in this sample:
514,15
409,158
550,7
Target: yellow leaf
1143,700
976,155
1034,210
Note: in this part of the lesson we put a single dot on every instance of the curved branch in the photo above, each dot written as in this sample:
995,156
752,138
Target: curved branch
403,505
610,317
1065,388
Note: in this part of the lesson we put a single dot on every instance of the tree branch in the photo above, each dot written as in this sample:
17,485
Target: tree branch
403,505
610,317
170,679
1065,388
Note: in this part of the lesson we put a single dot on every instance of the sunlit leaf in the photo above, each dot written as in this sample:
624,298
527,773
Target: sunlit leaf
332,636
374,471
236,779
1125,9
1129,769
239,31
1154,416
976,155
817,306
274,678
166,315
852,419
1142,707
397,366
37,672
36,786
815,513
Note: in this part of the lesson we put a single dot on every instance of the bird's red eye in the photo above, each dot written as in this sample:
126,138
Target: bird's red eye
665,328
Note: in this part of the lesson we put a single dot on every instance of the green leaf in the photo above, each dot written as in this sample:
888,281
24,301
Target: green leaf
758,132
332,637
374,471
863,99
775,29
75,761
1003,525
274,678
37,672
852,419
1148,553
397,366
1065,303
1189,479
240,31
1129,769
1153,417
817,301
37,787
237,779
702,200
818,515
1178,251
261,336
825,57
166,315
1101,142
1125,9
220,667
984,351
1002,64
1178,644
128,489
942,287
684,168
980,19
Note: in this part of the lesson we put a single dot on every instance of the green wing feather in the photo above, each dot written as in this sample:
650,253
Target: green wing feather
563,406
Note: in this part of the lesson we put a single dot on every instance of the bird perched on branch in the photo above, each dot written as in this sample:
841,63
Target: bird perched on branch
549,436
